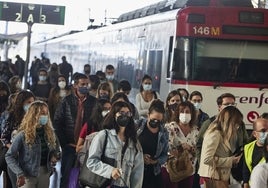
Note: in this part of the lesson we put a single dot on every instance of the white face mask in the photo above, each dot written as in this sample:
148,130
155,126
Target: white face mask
62,84
104,113
147,87
110,77
197,105
18,85
185,118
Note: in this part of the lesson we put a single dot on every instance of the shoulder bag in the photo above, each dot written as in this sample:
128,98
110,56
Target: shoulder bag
88,178
179,167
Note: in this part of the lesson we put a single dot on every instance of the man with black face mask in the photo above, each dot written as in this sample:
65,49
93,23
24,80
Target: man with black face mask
154,141
69,117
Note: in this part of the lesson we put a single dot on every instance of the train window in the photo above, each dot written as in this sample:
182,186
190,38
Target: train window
230,61
181,59
154,68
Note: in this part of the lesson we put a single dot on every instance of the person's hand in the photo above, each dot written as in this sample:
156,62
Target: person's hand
53,160
236,159
20,181
116,173
152,161
245,185
186,146
147,159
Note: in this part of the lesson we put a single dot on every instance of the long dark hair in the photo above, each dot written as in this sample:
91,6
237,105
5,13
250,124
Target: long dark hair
169,115
95,120
18,111
56,89
122,95
110,122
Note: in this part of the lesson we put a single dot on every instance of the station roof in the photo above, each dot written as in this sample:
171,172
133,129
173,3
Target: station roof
12,37
168,5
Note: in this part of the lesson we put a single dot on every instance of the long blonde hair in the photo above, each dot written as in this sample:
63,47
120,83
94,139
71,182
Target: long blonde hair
227,122
30,123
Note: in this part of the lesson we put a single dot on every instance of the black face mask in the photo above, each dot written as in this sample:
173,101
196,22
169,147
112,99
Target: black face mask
105,96
4,98
173,107
154,123
123,120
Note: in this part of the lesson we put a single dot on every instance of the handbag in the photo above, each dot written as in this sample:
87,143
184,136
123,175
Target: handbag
179,167
89,178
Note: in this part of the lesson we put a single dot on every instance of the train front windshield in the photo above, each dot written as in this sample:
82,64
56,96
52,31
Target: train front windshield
221,61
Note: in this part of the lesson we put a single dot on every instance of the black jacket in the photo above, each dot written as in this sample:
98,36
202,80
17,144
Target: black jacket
65,116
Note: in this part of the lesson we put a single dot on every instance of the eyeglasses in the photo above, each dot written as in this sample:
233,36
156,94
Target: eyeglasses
129,114
197,100
262,131
126,92
230,104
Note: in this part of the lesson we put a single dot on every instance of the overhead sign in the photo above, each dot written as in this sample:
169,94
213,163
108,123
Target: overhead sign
32,13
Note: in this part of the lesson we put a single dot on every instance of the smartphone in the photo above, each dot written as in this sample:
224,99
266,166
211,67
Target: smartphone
238,152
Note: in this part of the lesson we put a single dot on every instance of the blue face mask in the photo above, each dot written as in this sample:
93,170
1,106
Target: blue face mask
83,90
26,107
197,106
42,78
262,137
43,119
147,87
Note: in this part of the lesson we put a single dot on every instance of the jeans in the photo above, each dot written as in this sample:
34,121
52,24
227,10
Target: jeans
12,177
41,181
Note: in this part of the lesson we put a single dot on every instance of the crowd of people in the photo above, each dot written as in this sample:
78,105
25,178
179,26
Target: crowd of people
154,143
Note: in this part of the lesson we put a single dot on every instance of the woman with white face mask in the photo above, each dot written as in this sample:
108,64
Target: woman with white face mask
57,93
183,133
196,99
146,95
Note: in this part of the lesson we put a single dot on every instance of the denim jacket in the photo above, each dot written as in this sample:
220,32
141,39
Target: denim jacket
24,159
132,165
162,146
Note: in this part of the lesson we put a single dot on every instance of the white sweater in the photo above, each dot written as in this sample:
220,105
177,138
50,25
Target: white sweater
259,176
142,105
